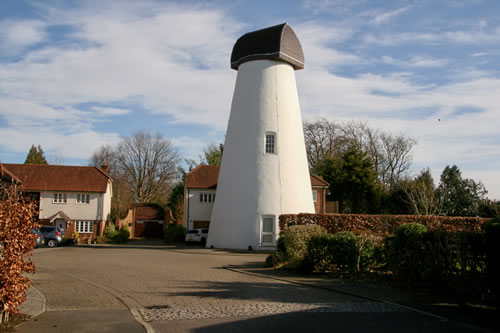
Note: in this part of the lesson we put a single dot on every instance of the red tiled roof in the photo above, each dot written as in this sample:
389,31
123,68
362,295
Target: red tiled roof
206,176
318,181
36,177
7,175
203,176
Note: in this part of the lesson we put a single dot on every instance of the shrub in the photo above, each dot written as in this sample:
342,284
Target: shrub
124,233
110,232
345,251
492,236
16,245
275,259
174,233
404,252
319,257
332,252
295,241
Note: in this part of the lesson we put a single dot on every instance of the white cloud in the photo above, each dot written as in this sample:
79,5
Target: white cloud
15,36
474,37
415,61
381,17
107,111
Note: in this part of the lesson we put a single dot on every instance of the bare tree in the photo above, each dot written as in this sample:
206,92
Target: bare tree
396,157
422,195
149,163
122,192
323,139
390,154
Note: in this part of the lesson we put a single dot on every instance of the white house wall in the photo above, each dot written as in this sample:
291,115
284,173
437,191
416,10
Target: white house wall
107,201
196,210
252,183
74,211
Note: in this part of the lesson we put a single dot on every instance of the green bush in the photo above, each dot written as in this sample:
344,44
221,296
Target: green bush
332,252
345,251
110,232
404,252
294,243
319,257
275,259
174,233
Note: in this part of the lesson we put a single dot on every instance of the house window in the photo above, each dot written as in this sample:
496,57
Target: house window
82,198
207,197
60,198
267,231
315,195
270,143
84,227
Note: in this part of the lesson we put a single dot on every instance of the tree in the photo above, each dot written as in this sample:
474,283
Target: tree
149,163
390,154
353,180
422,195
35,156
212,155
323,140
176,202
461,197
122,193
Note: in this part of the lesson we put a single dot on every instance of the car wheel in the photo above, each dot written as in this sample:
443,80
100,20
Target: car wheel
52,243
203,242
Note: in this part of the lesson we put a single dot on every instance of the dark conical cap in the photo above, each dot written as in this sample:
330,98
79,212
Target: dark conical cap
275,43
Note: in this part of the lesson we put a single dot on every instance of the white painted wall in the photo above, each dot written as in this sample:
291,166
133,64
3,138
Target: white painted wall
252,183
99,205
107,201
196,210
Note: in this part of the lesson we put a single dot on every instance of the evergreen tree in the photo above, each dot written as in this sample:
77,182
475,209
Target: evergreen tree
353,181
35,156
460,196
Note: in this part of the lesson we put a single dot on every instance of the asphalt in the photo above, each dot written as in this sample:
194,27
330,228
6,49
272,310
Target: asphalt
466,317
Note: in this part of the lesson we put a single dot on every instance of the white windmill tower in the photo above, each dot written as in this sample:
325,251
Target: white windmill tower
264,171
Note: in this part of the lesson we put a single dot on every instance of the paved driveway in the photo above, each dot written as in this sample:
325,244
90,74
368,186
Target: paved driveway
134,289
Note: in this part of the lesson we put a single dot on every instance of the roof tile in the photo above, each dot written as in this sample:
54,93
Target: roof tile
36,177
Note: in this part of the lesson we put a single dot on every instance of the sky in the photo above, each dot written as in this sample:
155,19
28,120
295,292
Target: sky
75,75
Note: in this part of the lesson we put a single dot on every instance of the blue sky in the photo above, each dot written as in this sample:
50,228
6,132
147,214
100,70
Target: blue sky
78,74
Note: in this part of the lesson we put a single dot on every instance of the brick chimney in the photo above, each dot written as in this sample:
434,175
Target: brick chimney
105,167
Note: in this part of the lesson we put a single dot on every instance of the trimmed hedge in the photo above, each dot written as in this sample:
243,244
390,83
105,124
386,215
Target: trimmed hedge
380,225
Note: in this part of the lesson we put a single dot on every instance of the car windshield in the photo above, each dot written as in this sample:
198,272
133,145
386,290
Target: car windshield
193,232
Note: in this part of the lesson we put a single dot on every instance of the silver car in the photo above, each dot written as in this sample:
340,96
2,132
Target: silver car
53,235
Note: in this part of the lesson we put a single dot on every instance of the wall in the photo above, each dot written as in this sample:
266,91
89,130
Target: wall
252,183
87,212
196,210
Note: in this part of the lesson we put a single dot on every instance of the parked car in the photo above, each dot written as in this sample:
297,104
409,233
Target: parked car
38,236
53,235
197,236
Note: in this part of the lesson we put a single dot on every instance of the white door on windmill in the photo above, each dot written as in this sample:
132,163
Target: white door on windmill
267,238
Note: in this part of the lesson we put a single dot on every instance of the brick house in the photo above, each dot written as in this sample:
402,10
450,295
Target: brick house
200,187
74,198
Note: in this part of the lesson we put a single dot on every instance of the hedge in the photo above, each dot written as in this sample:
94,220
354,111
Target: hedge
380,225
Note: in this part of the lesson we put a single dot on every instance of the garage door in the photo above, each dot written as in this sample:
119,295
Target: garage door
148,229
